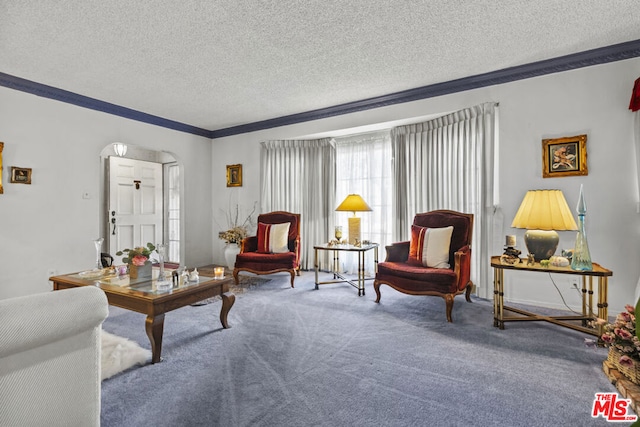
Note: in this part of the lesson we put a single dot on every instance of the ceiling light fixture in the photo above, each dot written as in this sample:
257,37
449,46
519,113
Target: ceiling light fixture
120,149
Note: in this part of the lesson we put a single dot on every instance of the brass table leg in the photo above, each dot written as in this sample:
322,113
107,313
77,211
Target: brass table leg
315,264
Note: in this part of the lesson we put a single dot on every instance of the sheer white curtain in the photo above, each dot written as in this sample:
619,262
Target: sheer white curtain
448,163
364,168
299,177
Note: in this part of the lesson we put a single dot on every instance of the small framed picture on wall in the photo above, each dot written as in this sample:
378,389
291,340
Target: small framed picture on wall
564,156
20,175
234,175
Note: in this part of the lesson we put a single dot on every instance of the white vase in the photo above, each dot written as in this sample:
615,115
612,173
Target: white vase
230,252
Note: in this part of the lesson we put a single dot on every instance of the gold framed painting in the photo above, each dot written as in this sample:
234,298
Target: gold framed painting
20,175
564,156
234,175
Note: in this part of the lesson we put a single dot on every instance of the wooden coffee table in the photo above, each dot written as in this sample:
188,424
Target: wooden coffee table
142,296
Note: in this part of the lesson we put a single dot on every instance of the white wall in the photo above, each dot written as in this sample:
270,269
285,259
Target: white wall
591,100
47,225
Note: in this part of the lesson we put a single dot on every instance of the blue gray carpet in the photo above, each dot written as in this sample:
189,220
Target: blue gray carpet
305,357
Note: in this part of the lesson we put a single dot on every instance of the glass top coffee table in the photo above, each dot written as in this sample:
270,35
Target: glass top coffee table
338,277
144,296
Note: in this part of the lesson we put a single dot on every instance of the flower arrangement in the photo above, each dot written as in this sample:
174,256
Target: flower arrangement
621,335
237,230
137,256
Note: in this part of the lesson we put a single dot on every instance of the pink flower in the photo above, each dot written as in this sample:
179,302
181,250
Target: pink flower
623,333
608,338
626,361
139,260
626,317
631,309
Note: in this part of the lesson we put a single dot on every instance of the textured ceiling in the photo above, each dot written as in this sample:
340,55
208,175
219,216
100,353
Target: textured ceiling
224,63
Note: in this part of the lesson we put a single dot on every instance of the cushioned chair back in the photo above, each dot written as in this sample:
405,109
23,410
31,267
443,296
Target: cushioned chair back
280,217
462,227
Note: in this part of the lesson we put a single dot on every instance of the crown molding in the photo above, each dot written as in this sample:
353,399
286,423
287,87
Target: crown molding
587,58
39,89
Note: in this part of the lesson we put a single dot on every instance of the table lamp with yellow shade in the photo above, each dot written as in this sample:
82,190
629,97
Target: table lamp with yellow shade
542,213
354,203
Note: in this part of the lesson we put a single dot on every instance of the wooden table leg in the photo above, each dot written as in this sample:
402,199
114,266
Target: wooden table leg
154,326
227,302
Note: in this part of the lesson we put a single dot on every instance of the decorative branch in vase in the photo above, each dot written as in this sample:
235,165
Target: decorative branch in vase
235,233
237,230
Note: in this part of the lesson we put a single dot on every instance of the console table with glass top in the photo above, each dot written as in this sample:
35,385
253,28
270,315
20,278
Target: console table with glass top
338,277
586,319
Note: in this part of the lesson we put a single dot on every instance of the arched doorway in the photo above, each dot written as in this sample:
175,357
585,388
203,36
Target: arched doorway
149,210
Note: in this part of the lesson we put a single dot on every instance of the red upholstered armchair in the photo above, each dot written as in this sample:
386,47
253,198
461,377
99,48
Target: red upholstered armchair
404,268
270,252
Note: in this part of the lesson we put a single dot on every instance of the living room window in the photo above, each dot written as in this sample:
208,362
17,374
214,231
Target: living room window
363,166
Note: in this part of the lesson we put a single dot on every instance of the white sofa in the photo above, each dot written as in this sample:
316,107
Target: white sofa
50,358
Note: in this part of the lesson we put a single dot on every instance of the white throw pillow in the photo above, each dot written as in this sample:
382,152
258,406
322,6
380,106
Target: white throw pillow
273,238
430,246
280,238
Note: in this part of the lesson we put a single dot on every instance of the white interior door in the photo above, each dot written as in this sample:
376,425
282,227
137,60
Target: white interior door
135,204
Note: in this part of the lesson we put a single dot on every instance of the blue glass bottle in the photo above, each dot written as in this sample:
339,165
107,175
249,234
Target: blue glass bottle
581,260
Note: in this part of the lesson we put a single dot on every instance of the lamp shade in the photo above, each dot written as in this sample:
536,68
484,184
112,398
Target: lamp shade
354,203
544,210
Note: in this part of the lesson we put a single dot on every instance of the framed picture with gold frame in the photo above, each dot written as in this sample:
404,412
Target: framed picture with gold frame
20,175
564,156
234,175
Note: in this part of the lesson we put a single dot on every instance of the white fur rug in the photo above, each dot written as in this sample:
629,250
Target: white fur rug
119,354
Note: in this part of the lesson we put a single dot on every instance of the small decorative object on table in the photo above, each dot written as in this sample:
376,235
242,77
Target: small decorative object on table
98,244
138,260
531,259
511,255
218,273
559,261
581,259
624,347
338,232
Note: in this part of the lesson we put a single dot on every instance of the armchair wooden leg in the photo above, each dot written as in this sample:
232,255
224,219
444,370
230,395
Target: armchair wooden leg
293,275
467,294
449,300
376,287
235,275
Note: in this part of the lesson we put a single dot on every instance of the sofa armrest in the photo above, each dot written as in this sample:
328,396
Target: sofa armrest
33,321
50,346
398,252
